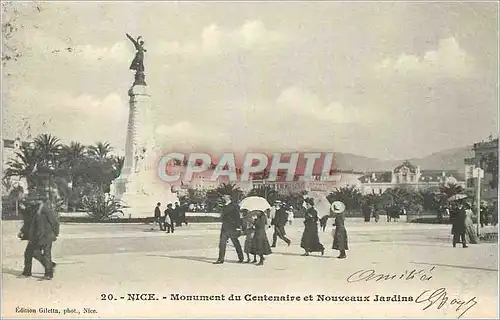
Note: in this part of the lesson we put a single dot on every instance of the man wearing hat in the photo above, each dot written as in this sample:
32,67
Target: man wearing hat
41,229
279,222
274,209
230,229
458,216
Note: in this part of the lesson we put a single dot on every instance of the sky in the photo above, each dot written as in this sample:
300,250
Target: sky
385,80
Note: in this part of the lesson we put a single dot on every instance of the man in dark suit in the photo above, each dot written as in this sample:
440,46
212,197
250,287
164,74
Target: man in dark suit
183,208
458,224
158,217
170,213
279,222
41,229
231,227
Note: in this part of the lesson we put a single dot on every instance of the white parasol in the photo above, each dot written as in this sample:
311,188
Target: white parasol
456,197
338,207
321,204
254,203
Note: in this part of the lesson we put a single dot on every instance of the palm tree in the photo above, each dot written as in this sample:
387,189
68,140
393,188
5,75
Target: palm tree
73,153
451,189
49,149
117,166
100,151
349,195
6,185
230,189
25,165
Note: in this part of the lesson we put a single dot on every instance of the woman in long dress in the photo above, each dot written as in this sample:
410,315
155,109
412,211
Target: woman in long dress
260,244
310,239
340,236
248,231
470,230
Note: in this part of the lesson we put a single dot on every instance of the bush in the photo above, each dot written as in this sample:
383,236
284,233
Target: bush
201,219
101,206
489,237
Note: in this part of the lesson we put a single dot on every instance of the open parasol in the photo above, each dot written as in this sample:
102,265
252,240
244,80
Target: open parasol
456,197
321,204
254,203
338,207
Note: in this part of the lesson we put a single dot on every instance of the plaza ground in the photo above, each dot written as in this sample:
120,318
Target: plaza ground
118,259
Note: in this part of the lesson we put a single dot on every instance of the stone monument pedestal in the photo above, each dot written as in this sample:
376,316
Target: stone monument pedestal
138,187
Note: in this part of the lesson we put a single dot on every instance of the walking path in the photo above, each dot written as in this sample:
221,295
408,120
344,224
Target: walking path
117,260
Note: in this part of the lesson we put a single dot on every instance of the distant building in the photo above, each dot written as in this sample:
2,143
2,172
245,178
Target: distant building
482,152
315,183
409,176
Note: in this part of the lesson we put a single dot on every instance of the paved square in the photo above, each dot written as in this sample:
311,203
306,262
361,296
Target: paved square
98,264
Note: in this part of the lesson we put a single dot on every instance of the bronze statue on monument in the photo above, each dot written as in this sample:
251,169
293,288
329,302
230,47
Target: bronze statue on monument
138,62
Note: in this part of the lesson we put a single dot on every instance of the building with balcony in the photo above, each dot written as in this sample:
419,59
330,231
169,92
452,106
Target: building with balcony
485,157
407,175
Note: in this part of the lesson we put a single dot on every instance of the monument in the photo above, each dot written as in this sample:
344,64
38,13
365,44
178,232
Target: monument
138,186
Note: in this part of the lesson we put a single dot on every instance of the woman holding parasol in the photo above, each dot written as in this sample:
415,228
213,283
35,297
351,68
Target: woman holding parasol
258,209
260,244
248,231
340,233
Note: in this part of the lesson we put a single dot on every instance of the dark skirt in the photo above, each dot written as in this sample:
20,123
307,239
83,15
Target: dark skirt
260,244
340,239
248,242
310,239
458,227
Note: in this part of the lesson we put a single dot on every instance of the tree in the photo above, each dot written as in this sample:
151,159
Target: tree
100,151
24,165
213,201
295,199
431,200
264,191
230,189
196,196
117,166
397,198
72,156
451,189
349,195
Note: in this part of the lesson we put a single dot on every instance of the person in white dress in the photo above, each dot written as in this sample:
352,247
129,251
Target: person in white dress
290,215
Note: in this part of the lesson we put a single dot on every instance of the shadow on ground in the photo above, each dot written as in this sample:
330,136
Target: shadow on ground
18,274
301,254
190,258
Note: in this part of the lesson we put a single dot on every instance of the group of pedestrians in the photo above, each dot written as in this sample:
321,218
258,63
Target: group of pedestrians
253,225
173,216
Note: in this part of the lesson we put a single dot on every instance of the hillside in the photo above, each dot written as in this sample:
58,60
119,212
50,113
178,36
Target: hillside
451,159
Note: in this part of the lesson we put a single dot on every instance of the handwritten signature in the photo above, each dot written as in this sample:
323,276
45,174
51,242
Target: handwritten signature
440,298
371,275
